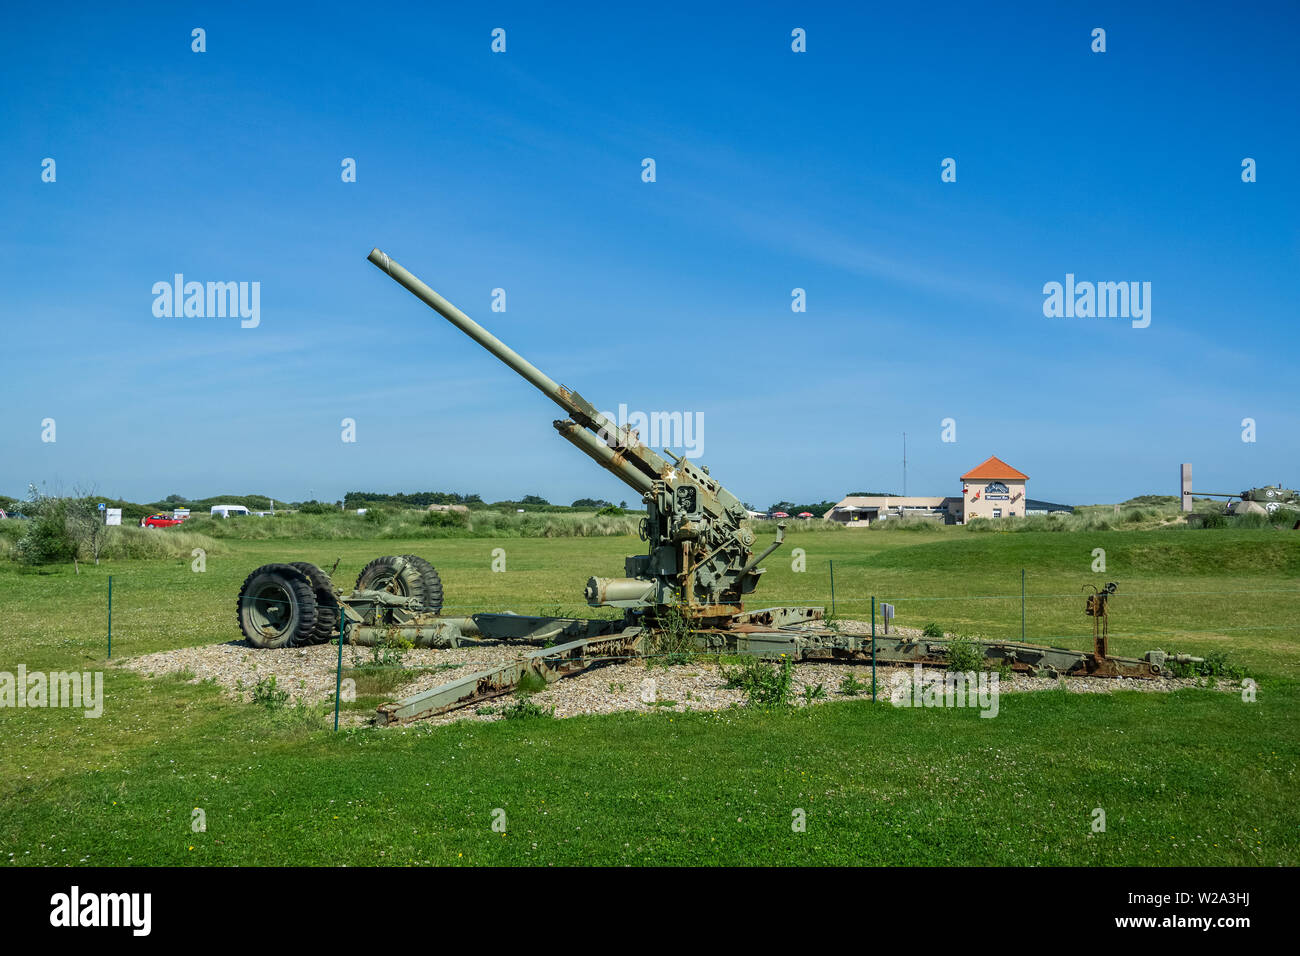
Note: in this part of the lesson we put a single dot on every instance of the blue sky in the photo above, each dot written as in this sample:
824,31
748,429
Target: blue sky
775,170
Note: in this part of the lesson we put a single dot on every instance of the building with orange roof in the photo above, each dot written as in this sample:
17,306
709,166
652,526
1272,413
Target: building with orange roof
993,489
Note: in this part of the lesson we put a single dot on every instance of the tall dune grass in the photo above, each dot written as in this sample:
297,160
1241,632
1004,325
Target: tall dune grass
124,542
379,524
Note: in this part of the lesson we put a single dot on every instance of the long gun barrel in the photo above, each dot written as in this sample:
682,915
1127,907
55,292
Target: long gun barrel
601,448
482,336
700,552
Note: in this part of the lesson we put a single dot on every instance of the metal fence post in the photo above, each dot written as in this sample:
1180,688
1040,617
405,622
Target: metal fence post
110,615
832,589
338,674
1022,605
873,648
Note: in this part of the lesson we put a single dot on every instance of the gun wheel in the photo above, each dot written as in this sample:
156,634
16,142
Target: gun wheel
408,575
277,607
327,605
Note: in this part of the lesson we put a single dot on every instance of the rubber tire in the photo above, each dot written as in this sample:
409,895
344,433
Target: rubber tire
418,579
432,583
301,626
327,605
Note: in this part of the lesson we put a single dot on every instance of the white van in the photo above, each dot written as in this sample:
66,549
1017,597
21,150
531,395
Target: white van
225,511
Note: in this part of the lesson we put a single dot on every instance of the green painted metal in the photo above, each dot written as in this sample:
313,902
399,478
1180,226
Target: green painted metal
700,546
700,563
1264,500
551,663
790,642
444,632
110,615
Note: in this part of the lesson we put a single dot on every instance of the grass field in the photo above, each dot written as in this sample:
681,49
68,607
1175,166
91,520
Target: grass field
1197,777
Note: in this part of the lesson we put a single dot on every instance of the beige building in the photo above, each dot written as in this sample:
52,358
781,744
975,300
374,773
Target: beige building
860,511
992,489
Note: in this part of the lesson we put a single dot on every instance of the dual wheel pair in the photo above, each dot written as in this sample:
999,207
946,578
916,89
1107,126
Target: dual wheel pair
290,605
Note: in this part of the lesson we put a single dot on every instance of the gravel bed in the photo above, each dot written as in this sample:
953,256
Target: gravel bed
308,675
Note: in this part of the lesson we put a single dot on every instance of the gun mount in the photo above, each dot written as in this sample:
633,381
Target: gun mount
700,557
699,566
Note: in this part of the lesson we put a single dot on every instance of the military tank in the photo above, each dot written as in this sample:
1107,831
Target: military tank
1257,501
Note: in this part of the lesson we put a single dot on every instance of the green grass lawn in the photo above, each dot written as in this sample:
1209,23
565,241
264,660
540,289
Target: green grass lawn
1197,777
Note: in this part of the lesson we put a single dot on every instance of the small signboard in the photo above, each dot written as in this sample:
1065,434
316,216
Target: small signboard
887,612
112,516
102,506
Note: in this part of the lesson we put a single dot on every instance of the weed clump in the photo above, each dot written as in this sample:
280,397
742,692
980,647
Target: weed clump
1216,664
850,686
764,684
266,694
526,709
673,641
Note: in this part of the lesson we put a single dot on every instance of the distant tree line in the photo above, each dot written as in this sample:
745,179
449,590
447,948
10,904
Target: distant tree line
422,499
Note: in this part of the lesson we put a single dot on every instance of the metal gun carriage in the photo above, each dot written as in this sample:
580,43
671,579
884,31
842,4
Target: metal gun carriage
698,568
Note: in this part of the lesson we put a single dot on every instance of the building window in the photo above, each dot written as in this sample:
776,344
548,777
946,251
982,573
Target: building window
997,512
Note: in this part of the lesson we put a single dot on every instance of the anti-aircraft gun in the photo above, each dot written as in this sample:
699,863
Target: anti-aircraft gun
699,566
700,560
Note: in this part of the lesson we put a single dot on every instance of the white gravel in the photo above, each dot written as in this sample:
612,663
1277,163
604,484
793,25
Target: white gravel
308,675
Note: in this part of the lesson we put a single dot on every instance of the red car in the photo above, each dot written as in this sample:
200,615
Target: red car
160,521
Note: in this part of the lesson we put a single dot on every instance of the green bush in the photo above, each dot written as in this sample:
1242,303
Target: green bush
932,630
445,519
964,655
895,524
1284,518
45,538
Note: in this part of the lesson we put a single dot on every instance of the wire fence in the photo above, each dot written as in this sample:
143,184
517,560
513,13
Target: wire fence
1038,617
